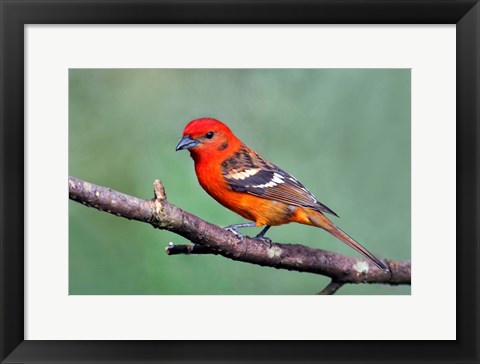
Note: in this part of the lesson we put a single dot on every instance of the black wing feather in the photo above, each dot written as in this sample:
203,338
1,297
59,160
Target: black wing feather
248,172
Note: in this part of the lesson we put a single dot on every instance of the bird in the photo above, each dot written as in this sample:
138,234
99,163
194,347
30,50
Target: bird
244,182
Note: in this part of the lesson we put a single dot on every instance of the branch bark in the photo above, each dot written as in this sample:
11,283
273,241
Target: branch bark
211,239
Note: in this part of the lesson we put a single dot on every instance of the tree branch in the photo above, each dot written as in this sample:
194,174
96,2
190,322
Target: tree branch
212,239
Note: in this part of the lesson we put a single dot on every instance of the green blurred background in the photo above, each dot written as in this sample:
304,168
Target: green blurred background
345,133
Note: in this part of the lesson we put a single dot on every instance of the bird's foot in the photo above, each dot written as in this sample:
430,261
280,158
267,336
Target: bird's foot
260,236
233,229
235,232
264,239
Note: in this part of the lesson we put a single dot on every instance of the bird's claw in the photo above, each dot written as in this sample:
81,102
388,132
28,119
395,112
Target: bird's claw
265,240
235,232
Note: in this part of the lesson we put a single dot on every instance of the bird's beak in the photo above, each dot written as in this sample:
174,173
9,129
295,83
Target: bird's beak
186,143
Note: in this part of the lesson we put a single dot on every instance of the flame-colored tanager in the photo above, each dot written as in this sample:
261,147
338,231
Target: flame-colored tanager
246,183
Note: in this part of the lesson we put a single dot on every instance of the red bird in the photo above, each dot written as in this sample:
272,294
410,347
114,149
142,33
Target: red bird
246,183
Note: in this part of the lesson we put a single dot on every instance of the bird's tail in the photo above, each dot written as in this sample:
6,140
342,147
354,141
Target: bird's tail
320,220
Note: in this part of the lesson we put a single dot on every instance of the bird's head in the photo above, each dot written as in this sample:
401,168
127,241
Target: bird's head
207,136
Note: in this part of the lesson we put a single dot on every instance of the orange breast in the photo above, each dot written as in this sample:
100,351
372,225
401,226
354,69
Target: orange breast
260,210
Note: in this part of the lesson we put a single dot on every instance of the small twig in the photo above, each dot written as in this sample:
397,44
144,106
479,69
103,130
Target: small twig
159,190
331,288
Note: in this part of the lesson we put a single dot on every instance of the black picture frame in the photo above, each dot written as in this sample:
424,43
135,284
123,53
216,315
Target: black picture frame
15,14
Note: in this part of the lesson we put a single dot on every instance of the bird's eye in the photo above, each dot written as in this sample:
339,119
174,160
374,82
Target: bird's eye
209,135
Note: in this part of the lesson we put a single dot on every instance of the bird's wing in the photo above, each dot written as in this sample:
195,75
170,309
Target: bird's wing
246,171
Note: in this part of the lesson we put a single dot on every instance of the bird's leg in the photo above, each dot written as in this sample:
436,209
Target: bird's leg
261,236
233,228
